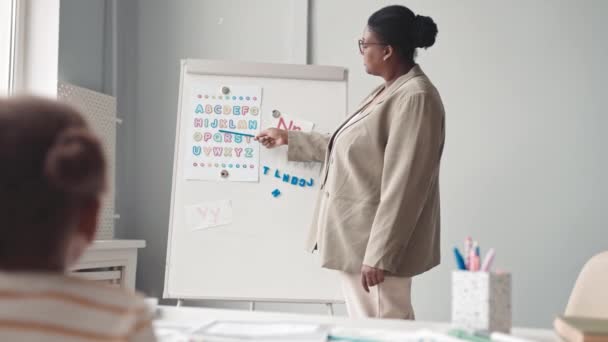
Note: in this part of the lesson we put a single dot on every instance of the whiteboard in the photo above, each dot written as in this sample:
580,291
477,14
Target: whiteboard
257,250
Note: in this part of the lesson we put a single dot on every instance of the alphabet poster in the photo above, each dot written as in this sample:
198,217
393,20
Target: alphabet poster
223,121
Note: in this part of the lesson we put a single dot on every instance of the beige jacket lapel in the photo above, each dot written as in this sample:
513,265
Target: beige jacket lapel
414,72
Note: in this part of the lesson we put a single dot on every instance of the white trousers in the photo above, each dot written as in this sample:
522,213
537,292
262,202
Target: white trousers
390,299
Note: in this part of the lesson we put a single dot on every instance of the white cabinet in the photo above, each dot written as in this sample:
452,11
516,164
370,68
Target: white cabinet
110,261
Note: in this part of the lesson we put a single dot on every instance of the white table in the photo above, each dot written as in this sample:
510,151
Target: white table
200,316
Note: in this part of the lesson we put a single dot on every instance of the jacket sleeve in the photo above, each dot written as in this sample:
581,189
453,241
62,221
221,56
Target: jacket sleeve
307,146
411,160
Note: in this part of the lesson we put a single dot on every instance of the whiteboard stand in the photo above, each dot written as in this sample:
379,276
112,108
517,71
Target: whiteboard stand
330,309
252,306
285,88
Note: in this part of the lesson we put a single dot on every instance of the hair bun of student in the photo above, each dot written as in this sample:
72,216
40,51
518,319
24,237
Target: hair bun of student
75,164
425,31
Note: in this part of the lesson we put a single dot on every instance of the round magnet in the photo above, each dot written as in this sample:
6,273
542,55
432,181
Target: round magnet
276,114
224,174
225,90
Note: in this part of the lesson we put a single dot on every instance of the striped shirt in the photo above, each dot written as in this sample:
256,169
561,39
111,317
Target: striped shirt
55,307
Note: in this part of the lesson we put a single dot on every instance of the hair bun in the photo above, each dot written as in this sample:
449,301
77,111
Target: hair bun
75,163
425,31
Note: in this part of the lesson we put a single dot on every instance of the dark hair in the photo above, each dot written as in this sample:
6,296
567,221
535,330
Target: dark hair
399,27
52,165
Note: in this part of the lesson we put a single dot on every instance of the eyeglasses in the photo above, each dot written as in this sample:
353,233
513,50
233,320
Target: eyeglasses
363,45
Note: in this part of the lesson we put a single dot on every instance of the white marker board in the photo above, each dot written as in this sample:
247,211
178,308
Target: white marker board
234,240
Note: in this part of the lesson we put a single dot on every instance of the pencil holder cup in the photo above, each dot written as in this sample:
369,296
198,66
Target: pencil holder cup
481,300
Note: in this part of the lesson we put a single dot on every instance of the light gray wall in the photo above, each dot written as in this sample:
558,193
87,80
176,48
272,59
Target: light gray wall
525,161
165,32
522,84
83,44
127,61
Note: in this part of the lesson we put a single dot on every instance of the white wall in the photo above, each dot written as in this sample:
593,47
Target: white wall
5,45
38,45
524,166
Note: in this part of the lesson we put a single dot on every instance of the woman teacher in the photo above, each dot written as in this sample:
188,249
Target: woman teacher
377,216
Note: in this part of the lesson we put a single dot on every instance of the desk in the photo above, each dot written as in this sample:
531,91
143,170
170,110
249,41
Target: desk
199,316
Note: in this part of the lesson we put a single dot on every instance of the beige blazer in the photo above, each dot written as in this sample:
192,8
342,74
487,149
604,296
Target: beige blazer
378,203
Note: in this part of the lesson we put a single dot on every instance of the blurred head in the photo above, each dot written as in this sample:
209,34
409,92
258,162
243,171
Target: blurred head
392,36
52,177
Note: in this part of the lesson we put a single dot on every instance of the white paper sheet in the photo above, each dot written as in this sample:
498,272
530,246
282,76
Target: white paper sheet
209,214
290,123
380,335
263,331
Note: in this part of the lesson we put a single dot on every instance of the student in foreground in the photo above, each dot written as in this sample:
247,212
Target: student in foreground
52,178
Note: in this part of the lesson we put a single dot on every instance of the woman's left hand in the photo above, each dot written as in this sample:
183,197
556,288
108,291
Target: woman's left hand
371,276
